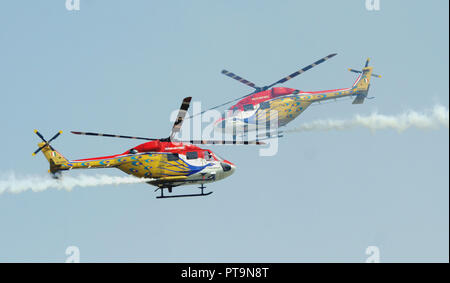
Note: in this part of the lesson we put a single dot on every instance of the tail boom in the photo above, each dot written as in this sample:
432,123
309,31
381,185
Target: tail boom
360,89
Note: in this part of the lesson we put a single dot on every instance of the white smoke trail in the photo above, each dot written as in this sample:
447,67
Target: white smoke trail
11,183
429,120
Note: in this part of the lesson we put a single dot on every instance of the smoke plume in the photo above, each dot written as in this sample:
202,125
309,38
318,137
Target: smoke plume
12,183
428,120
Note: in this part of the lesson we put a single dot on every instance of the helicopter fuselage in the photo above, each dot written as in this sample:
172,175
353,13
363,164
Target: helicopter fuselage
165,164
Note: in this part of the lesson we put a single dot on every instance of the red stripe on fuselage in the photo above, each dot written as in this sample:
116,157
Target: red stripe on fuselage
163,147
100,158
322,91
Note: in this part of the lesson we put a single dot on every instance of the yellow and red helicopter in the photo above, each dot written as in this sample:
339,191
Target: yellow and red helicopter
260,106
165,162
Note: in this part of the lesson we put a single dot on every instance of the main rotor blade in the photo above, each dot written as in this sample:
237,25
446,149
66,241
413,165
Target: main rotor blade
111,136
220,105
180,117
293,75
239,79
223,142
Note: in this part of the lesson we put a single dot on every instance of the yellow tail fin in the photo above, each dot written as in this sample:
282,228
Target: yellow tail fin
55,158
361,86
364,81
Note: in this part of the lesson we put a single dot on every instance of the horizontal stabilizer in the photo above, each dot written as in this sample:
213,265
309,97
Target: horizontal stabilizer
359,99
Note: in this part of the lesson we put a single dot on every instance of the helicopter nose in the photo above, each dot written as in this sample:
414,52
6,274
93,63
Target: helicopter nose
228,168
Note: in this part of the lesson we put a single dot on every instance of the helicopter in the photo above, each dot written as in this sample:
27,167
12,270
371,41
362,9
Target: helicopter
264,103
165,162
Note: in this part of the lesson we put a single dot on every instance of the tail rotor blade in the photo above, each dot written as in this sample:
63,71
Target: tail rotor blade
55,136
376,76
367,62
359,72
39,135
39,149
46,143
355,71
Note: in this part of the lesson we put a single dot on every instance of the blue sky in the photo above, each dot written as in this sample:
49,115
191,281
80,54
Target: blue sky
124,66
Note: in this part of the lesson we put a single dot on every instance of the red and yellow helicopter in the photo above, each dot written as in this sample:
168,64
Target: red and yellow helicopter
165,162
260,106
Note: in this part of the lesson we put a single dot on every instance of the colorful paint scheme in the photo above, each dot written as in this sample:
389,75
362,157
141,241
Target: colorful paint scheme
164,162
261,106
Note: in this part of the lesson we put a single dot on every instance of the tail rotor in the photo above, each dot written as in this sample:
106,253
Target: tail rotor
362,84
46,143
365,66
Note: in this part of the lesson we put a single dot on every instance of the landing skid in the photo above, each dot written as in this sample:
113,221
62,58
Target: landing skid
202,194
182,196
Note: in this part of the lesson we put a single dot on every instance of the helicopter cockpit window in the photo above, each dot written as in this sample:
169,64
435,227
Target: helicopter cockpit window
264,105
219,158
192,155
133,151
172,157
248,107
234,109
208,156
